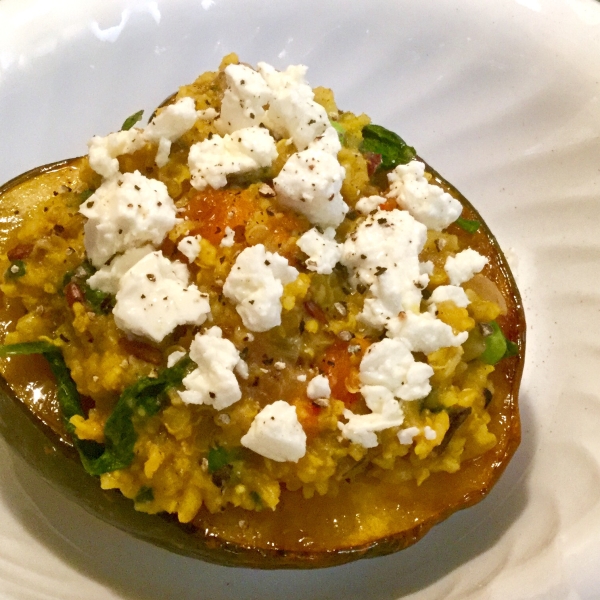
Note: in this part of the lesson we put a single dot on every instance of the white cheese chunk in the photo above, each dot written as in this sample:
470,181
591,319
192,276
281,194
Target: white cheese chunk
406,436
423,332
328,142
213,382
174,358
389,363
322,249
318,387
154,297
103,151
255,283
464,265
445,293
276,433
228,239
107,278
427,203
210,161
310,183
429,433
171,123
281,82
189,246
369,204
126,211
243,102
383,254
296,117
386,413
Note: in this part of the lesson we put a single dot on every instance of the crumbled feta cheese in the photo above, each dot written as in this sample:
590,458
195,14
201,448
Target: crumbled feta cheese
154,297
170,124
281,82
107,278
229,238
310,183
389,363
322,249
174,358
243,102
328,142
210,161
444,293
126,211
213,382
276,433
429,433
369,204
423,332
464,265
296,117
427,203
406,436
386,413
189,246
255,283
301,377
383,254
426,267
242,369
103,151
280,365
318,387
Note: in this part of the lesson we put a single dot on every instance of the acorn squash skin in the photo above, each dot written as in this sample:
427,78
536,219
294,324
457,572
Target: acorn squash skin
50,454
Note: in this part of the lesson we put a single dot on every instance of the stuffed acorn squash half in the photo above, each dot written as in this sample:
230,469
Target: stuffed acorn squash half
259,331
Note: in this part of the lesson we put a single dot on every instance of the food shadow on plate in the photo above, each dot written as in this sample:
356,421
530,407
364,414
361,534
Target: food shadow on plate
133,569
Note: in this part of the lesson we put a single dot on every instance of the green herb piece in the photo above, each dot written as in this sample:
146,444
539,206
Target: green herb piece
132,120
84,196
218,457
16,270
393,149
143,398
98,301
497,346
145,494
257,500
341,131
468,225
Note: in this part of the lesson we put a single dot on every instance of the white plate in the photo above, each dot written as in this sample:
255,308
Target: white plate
502,97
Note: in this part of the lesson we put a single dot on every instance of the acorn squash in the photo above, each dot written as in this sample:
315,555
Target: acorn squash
367,514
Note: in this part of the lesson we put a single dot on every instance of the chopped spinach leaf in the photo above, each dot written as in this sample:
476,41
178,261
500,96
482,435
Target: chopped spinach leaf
219,457
390,146
341,131
468,225
257,500
143,398
84,196
16,270
145,494
131,120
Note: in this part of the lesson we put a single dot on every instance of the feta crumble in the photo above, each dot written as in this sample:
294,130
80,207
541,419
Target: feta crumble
445,293
103,151
427,203
255,284
322,249
174,358
245,150
383,254
389,363
318,387
406,436
276,433
154,297
369,204
213,382
310,183
124,212
107,278
464,265
189,246
423,332
228,239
